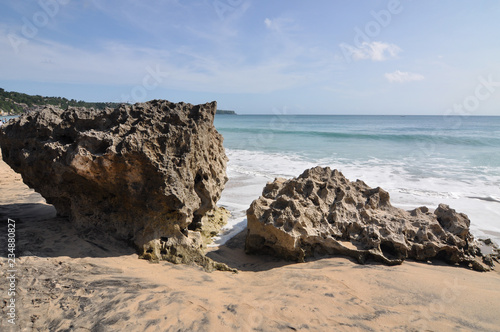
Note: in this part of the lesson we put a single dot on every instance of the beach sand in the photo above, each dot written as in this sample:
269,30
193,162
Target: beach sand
71,281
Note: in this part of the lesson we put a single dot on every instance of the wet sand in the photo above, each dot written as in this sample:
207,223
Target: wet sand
73,281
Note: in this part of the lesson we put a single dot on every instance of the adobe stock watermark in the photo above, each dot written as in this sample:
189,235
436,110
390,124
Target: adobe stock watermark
150,81
257,319
11,272
279,121
227,8
32,25
455,115
483,91
448,295
363,38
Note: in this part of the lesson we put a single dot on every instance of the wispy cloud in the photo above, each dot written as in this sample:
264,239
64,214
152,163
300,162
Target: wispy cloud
121,64
375,51
281,25
402,77
268,23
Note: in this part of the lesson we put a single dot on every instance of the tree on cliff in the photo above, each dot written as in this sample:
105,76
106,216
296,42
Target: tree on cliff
16,102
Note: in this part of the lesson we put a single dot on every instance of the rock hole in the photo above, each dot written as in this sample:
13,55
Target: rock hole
194,225
103,147
197,178
444,255
65,139
388,249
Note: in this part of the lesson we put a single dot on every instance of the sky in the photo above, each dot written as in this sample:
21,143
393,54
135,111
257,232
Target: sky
259,56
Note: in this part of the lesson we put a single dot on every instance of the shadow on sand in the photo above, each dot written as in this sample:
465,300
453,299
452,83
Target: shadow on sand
233,255
40,232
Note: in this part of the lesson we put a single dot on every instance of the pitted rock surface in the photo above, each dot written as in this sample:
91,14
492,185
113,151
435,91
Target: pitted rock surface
323,213
150,173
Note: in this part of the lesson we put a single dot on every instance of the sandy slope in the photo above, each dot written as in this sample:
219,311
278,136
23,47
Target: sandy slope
68,281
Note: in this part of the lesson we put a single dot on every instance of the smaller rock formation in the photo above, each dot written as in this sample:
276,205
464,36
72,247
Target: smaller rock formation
323,213
149,173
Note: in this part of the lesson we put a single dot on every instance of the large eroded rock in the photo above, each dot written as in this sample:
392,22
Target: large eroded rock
150,173
321,212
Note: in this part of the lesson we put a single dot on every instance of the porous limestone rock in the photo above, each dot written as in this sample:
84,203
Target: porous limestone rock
321,212
150,173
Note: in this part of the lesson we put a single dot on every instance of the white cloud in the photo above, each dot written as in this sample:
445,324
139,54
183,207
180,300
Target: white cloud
268,23
281,25
375,51
401,77
216,64
121,64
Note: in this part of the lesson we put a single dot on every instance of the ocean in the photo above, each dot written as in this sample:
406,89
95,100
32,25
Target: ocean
7,117
419,160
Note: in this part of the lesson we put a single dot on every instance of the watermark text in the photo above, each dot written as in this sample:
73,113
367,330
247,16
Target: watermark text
11,271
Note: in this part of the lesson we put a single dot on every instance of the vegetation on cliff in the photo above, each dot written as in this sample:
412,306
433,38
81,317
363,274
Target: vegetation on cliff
16,103
12,102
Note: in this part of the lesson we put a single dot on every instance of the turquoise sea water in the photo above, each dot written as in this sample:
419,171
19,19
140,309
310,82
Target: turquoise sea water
420,160
7,117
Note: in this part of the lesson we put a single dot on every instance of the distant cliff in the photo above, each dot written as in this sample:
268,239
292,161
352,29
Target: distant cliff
17,103
226,112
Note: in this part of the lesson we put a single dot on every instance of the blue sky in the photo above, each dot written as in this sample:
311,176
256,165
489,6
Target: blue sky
287,56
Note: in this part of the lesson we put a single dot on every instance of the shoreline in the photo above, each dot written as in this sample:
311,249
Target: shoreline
246,184
90,281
